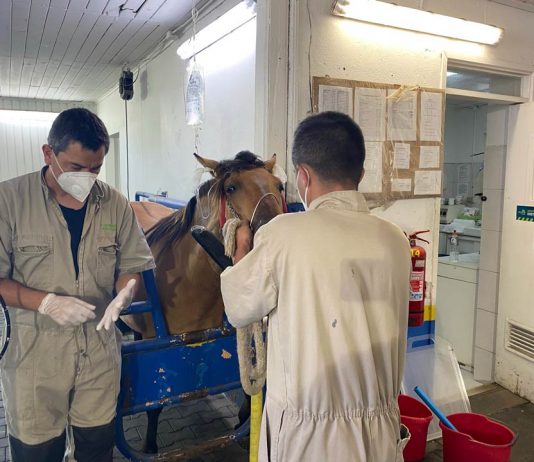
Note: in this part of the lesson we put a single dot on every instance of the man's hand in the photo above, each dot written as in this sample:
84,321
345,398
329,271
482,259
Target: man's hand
122,300
243,240
66,311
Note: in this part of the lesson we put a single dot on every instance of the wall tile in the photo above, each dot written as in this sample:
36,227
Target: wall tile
494,167
496,127
488,285
492,209
485,330
484,365
490,250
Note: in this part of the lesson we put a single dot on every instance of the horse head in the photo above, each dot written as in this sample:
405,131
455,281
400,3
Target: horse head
246,188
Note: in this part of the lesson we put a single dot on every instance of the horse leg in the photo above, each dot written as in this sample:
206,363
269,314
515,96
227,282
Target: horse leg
151,442
244,411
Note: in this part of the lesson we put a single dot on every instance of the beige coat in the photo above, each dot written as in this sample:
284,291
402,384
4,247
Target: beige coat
335,284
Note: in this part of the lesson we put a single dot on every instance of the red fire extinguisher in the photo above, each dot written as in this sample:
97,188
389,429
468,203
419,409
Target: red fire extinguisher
416,315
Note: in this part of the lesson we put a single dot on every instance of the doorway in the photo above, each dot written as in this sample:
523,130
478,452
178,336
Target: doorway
476,126
460,228
113,159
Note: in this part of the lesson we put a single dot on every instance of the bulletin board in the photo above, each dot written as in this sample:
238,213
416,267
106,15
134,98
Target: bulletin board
403,129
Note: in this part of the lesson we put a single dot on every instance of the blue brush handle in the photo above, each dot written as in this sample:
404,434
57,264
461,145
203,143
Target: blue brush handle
434,408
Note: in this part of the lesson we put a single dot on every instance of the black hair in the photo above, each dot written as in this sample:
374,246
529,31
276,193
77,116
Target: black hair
332,144
78,125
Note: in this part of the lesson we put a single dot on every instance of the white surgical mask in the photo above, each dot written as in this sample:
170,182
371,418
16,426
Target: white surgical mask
305,200
76,184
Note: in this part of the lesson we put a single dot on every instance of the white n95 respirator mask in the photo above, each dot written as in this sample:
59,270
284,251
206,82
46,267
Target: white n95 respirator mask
76,184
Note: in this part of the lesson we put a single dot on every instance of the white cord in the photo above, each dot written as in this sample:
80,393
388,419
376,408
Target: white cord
205,216
258,203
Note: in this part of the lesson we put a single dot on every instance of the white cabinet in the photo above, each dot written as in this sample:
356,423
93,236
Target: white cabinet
456,303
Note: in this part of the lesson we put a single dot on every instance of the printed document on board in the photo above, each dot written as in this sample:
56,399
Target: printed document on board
338,99
402,116
370,112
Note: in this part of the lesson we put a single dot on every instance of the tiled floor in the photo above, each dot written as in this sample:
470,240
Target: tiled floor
504,406
190,423
179,426
210,417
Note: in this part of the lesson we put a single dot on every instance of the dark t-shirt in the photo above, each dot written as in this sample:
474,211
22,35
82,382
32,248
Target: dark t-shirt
75,219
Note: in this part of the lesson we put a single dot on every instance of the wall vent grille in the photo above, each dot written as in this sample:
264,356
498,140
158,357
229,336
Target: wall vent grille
520,339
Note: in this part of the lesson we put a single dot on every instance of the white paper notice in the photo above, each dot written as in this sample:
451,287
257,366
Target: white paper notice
427,182
401,184
402,116
401,156
429,157
372,179
431,116
370,112
335,99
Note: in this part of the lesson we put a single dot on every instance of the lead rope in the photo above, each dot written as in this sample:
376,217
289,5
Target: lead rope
252,375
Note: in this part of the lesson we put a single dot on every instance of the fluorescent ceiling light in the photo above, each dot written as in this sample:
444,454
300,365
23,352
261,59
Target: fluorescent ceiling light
450,73
387,14
222,26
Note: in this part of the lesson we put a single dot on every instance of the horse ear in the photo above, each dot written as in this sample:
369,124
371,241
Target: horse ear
208,163
269,165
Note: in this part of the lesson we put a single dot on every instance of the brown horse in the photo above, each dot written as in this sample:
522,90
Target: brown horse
187,280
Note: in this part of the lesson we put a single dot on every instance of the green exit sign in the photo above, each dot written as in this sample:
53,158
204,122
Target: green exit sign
524,213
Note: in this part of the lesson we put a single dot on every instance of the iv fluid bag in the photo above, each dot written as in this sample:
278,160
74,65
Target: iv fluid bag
194,96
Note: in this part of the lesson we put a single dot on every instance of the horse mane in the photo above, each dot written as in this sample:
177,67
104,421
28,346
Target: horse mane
177,224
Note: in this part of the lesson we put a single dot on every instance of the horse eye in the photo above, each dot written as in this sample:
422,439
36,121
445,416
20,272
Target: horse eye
281,187
230,189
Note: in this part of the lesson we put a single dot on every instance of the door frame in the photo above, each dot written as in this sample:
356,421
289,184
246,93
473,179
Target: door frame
481,371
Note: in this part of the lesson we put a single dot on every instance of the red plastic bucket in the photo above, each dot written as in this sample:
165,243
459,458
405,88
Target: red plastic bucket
477,439
416,416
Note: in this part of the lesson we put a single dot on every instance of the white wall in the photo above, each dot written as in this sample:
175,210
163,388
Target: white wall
347,49
24,127
161,145
515,50
342,48
515,257
22,134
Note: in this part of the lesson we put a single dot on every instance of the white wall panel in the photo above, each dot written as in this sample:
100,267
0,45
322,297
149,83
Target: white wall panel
161,145
21,140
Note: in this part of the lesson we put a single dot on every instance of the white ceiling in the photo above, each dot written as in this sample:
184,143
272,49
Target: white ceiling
75,49
527,5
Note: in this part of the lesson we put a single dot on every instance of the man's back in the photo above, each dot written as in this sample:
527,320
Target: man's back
337,337
343,291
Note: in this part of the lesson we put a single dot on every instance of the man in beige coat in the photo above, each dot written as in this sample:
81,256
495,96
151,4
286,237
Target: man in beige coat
334,282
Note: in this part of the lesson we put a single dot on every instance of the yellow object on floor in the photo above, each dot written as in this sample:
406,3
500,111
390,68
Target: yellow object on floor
256,409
